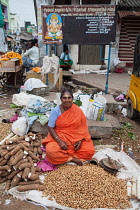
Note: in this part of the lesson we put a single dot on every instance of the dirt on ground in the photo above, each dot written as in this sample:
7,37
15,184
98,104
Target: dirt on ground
127,136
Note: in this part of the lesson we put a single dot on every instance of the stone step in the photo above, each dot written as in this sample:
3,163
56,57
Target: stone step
112,104
103,129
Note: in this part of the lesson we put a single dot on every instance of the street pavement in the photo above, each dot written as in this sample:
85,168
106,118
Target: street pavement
117,82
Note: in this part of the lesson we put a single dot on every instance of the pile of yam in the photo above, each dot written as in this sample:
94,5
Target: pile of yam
18,157
86,187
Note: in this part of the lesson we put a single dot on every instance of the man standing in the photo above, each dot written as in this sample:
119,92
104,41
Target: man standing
18,48
31,57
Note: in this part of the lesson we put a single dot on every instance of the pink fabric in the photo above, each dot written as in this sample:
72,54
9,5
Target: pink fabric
45,165
14,118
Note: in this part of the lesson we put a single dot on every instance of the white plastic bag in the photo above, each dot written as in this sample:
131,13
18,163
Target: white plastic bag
84,98
33,83
22,99
19,127
96,107
100,98
116,61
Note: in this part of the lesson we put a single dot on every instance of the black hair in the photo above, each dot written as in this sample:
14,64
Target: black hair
32,42
64,90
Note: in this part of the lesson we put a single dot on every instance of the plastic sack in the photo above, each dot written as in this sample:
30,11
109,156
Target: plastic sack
84,98
98,110
22,99
89,109
116,61
19,127
100,98
96,107
33,83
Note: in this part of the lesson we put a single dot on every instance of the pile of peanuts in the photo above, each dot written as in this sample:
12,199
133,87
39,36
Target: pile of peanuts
4,130
86,187
18,157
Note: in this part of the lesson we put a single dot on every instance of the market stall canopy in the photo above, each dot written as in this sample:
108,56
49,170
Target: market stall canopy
129,3
9,38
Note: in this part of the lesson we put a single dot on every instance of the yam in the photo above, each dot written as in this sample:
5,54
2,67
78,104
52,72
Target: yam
1,159
33,156
26,144
2,172
3,146
4,179
9,148
20,174
36,144
39,150
26,173
19,152
37,169
35,151
24,165
16,180
33,177
25,148
6,173
13,173
19,163
30,160
4,153
33,170
30,134
15,150
8,185
31,187
7,156
11,159
15,140
18,158
30,182
5,168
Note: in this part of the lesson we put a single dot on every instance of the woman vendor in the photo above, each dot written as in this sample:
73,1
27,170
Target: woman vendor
68,138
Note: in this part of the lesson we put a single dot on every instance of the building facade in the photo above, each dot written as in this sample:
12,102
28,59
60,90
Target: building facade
127,28
14,23
6,14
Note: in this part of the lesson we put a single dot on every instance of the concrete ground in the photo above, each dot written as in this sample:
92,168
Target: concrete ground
117,82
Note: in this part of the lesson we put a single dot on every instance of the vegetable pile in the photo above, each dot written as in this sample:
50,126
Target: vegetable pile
4,130
9,55
18,157
86,187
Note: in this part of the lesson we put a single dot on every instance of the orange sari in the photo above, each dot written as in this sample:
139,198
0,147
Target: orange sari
71,126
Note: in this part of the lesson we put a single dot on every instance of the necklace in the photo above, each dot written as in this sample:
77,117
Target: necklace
63,109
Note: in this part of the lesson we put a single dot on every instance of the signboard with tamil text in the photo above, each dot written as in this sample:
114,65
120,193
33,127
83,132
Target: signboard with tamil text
79,24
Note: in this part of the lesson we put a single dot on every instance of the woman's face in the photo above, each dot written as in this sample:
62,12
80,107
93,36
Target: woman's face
67,100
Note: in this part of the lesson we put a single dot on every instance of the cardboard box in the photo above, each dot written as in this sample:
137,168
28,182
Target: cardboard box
32,74
50,80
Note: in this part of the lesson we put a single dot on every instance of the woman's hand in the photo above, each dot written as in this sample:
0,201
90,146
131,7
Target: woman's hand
62,145
77,145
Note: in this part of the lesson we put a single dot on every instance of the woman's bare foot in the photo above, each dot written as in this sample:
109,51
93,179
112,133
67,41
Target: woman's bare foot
77,161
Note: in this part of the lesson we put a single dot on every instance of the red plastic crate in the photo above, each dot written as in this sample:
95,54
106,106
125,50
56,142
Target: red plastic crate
119,70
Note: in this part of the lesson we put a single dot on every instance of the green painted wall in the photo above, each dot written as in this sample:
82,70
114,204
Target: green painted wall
6,3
